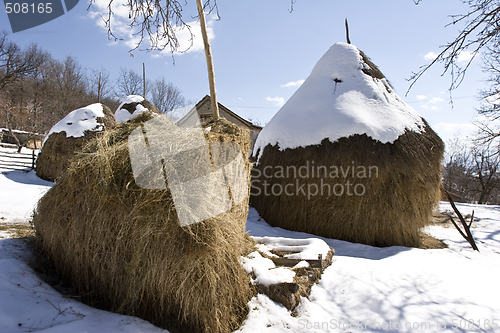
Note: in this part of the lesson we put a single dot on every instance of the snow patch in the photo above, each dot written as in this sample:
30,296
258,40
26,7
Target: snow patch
266,272
132,99
19,195
304,249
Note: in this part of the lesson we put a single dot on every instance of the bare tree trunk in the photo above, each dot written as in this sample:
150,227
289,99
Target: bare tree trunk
11,132
18,143
210,63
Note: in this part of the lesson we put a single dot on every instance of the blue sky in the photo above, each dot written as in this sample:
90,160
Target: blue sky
261,51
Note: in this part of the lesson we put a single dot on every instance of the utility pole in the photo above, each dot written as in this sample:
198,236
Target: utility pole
99,89
144,80
210,63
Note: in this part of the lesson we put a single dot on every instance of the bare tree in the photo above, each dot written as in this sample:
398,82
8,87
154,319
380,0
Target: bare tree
25,117
68,86
99,84
16,63
156,21
165,96
37,94
481,33
472,171
159,21
489,110
485,173
455,169
129,83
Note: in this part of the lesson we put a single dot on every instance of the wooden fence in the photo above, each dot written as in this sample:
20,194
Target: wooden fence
17,161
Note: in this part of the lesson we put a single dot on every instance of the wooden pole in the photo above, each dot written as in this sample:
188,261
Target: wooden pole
468,235
144,79
347,32
33,157
99,89
210,63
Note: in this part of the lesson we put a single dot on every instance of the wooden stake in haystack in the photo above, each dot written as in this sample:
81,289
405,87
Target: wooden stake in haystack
210,63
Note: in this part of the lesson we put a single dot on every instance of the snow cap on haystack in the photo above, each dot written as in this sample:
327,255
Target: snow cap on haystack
91,118
132,106
69,135
345,94
346,158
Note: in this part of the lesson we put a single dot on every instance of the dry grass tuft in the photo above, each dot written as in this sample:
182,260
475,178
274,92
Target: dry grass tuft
17,230
122,245
398,202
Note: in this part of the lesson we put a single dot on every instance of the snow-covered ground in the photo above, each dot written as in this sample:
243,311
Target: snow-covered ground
19,193
366,289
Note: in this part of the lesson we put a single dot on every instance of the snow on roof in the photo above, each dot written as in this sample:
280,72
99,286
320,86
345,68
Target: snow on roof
122,115
339,100
77,122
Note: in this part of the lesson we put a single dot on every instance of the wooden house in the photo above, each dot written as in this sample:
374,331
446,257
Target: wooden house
202,113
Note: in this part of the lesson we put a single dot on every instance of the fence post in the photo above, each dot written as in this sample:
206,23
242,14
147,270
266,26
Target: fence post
33,159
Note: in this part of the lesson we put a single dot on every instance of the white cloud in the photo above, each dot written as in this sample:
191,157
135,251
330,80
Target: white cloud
421,97
297,83
430,56
427,107
465,56
120,26
435,100
451,128
278,101
448,131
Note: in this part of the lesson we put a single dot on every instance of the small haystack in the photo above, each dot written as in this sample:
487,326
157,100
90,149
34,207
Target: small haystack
346,158
123,246
68,137
132,106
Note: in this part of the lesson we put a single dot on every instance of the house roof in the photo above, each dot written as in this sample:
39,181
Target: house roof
207,99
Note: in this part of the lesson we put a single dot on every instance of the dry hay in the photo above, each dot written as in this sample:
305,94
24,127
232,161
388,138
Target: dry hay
58,149
122,247
400,193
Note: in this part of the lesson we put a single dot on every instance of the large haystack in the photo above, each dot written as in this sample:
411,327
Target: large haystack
345,158
122,245
68,137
